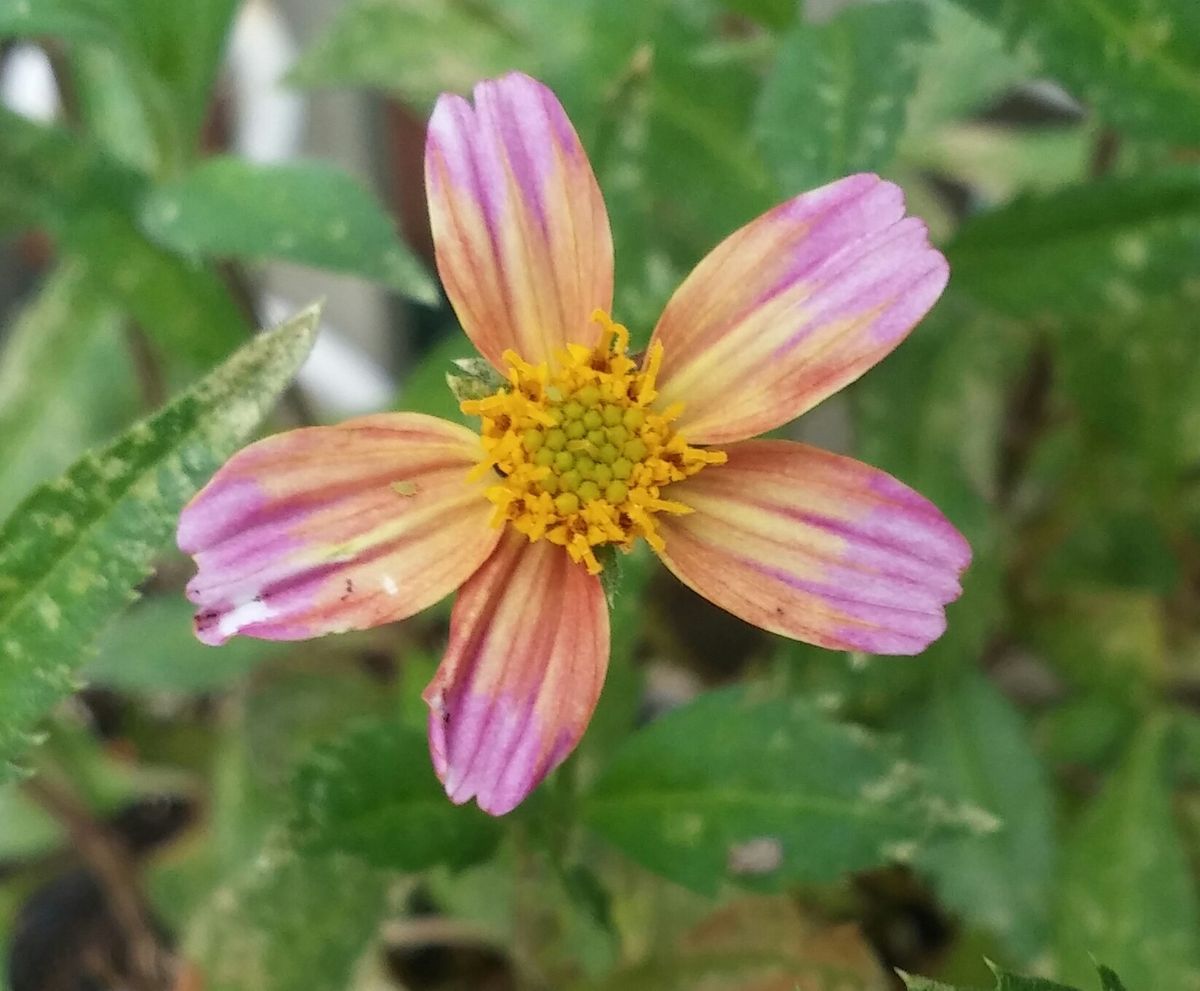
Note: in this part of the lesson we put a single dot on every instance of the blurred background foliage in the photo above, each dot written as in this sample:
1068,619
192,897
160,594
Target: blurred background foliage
745,814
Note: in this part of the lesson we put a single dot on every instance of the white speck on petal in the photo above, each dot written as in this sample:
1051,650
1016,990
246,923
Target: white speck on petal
389,585
254,611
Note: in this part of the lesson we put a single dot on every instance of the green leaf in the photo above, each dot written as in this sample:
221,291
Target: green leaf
975,746
1138,64
88,201
71,553
770,13
1109,981
171,52
833,102
1084,251
372,793
401,45
151,648
287,923
761,793
74,19
1127,893
64,383
308,213
964,66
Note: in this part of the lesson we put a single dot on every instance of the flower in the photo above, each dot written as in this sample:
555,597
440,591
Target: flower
327,529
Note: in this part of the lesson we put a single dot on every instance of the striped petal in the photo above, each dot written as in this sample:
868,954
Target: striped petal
794,306
816,547
329,529
522,673
519,227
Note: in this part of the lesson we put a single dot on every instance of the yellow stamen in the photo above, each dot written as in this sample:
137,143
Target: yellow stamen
582,455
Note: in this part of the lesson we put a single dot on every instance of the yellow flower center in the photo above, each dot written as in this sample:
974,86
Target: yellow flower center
582,456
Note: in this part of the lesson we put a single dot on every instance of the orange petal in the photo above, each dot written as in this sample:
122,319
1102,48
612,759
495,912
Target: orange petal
794,306
328,529
526,660
816,547
519,226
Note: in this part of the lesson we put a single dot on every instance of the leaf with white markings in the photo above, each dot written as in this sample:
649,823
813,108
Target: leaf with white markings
834,100
762,793
306,213
287,923
372,793
64,383
71,553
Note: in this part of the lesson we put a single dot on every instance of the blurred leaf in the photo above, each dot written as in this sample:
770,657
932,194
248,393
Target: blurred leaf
1136,63
1109,981
759,944
1086,250
963,66
761,793
425,389
1107,639
151,648
833,102
308,213
400,45
977,749
171,51
110,108
372,793
1127,894
770,13
1133,380
71,553
88,201
287,923
88,19
64,383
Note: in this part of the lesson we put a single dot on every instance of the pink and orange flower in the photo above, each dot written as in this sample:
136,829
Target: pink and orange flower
583,448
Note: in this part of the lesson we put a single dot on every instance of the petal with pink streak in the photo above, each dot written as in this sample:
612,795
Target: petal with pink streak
329,529
523,670
519,226
816,547
792,307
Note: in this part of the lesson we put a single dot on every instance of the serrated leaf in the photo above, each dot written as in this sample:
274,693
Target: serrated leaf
71,553
88,201
1011,982
1126,891
308,213
372,793
287,923
974,745
1084,251
1138,64
833,102
760,793
63,379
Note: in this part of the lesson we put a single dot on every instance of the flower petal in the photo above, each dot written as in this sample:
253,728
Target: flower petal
526,660
328,529
519,226
793,306
816,547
